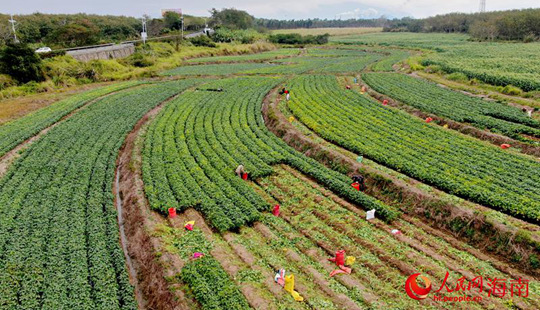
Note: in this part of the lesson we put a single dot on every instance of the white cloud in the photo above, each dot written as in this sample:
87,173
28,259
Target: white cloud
359,13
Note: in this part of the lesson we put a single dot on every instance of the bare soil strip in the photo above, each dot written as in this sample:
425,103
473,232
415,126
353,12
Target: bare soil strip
318,278
151,270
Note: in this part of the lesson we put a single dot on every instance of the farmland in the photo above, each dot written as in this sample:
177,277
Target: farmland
332,31
448,205
58,223
420,150
279,53
500,118
208,152
501,64
19,130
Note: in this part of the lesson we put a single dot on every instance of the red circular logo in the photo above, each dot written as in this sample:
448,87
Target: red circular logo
414,291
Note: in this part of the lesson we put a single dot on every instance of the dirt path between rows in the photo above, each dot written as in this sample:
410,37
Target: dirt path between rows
416,241
148,270
319,279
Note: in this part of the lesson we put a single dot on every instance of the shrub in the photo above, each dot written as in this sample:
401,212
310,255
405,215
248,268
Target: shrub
243,36
139,60
202,41
511,90
433,69
52,54
416,63
21,63
458,77
158,49
296,38
6,81
530,38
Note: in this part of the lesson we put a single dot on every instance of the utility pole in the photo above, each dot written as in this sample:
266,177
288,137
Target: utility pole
144,34
482,6
182,19
12,22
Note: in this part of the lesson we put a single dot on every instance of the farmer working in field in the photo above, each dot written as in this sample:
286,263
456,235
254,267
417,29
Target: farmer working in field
240,171
359,179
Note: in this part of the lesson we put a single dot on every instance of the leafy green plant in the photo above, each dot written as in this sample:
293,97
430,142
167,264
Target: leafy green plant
61,188
202,41
212,286
431,98
447,160
511,90
15,132
458,77
202,144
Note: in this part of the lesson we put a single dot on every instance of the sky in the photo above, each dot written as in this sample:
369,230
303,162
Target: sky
279,9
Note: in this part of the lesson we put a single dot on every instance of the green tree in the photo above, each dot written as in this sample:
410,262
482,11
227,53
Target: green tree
75,35
232,19
21,63
172,21
193,23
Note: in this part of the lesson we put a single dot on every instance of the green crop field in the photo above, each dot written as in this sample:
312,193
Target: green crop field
216,69
279,53
19,130
58,230
386,63
331,31
193,235
457,164
503,64
431,98
194,138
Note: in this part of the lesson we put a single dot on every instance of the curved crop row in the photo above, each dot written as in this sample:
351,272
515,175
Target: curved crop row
212,286
386,64
527,82
216,69
452,162
59,240
17,131
269,55
431,98
496,63
349,64
197,141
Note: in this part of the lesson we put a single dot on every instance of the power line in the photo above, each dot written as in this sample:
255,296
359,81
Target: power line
482,6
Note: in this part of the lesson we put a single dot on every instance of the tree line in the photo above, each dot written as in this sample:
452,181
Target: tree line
273,24
522,25
71,30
